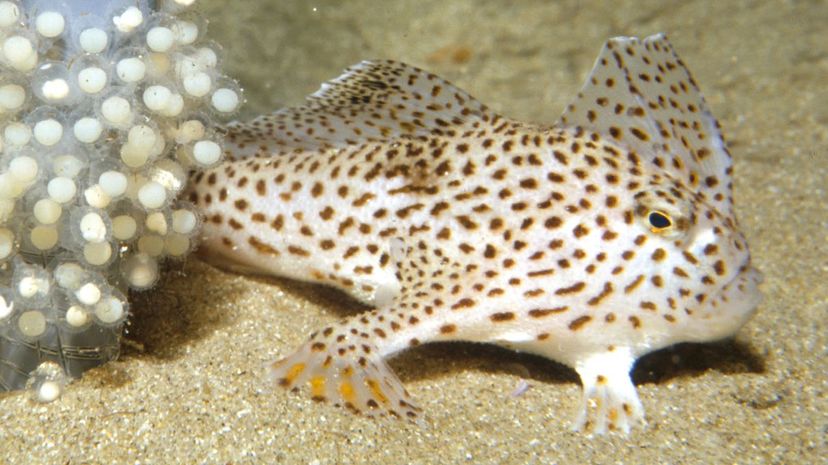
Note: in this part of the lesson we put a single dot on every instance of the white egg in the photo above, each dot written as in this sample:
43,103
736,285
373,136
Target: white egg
160,39
87,129
50,24
92,80
225,100
48,132
93,40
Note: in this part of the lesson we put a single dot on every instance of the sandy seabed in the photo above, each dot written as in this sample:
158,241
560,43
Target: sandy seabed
191,385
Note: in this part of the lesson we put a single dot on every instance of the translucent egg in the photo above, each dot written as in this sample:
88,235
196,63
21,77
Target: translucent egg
145,138
9,13
189,131
142,144
187,64
88,294
225,100
17,134
96,197
130,19
177,245
207,57
6,208
152,245
157,222
69,275
186,32
32,324
110,310
113,183
175,105
93,40
87,129
124,227
47,211
92,228
197,84
55,89
131,69
12,97
17,48
53,83
47,382
97,254
32,284
7,243
6,305
206,152
10,188
158,65
92,80
61,189
24,169
48,132
77,317
68,166
20,53
169,174
140,271
44,237
50,24
117,110
157,97
152,195
160,39
184,221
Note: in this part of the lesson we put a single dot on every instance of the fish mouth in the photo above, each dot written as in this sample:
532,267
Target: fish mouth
747,272
729,309
741,293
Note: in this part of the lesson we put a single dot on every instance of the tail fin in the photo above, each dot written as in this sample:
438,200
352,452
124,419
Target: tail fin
340,365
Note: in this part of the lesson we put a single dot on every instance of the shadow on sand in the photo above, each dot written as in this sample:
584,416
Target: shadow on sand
166,320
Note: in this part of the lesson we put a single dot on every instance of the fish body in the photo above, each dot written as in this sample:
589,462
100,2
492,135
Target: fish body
591,242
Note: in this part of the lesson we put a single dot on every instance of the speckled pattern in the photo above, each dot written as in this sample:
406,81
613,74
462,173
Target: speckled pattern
191,385
591,242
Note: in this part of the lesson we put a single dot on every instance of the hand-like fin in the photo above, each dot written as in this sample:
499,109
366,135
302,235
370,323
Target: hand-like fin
341,365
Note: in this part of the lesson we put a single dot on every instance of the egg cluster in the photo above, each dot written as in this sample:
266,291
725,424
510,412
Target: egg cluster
105,108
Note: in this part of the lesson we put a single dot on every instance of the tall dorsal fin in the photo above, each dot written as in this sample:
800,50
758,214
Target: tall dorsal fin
641,95
372,101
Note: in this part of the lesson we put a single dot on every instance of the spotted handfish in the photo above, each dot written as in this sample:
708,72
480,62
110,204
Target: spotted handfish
591,242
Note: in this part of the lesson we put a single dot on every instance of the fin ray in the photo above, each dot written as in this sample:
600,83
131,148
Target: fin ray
340,366
371,101
640,94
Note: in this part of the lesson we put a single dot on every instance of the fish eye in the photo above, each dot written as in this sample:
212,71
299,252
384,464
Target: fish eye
659,221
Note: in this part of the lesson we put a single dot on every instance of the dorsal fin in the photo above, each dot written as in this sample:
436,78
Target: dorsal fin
372,101
641,95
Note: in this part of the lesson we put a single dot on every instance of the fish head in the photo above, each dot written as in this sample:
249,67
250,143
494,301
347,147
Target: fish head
690,265
695,251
